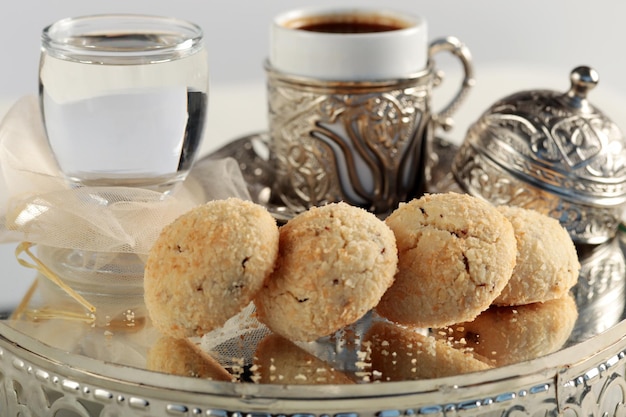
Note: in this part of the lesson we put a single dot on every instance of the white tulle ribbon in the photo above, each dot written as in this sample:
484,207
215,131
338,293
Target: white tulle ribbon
39,207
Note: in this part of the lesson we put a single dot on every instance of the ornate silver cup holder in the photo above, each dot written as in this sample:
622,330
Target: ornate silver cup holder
585,378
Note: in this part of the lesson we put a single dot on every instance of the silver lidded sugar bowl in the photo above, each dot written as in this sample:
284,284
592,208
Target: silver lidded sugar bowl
553,152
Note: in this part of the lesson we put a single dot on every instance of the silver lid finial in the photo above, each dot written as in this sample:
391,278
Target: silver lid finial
583,80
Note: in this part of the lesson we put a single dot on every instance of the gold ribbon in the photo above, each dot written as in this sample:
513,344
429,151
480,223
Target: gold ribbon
24,248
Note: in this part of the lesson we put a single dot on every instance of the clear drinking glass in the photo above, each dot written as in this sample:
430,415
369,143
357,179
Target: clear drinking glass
124,98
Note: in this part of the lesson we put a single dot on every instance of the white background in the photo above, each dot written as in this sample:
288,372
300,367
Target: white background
515,46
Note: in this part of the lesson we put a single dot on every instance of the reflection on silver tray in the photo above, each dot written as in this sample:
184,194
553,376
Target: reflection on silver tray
600,291
587,378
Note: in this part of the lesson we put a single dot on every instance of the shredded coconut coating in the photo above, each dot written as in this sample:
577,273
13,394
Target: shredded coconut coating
207,265
401,353
335,263
456,254
280,361
506,335
181,357
547,264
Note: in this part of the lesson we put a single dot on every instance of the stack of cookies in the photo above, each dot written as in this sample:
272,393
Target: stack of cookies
455,285
490,282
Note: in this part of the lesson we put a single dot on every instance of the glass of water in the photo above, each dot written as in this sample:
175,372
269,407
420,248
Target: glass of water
124,98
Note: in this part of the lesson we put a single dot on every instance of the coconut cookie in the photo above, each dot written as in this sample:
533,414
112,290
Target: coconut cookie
279,361
547,264
206,266
181,357
506,335
334,264
456,254
402,354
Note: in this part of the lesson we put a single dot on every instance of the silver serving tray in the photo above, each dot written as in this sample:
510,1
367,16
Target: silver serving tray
586,378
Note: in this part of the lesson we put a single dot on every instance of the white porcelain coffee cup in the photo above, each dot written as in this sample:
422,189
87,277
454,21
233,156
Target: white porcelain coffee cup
348,44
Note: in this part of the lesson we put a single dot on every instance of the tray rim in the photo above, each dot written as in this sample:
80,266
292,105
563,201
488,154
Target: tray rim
579,358
552,374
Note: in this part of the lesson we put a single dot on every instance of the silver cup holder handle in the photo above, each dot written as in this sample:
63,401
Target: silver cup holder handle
454,46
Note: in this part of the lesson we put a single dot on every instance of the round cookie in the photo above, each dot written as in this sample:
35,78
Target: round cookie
547,264
402,354
456,253
334,264
506,335
206,266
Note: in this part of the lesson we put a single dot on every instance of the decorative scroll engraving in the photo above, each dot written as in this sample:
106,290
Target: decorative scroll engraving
480,176
598,390
361,145
532,151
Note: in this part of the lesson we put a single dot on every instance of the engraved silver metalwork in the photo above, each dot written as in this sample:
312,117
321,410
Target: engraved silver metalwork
359,142
553,152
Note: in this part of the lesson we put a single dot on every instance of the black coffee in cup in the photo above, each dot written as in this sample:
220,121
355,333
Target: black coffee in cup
358,23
